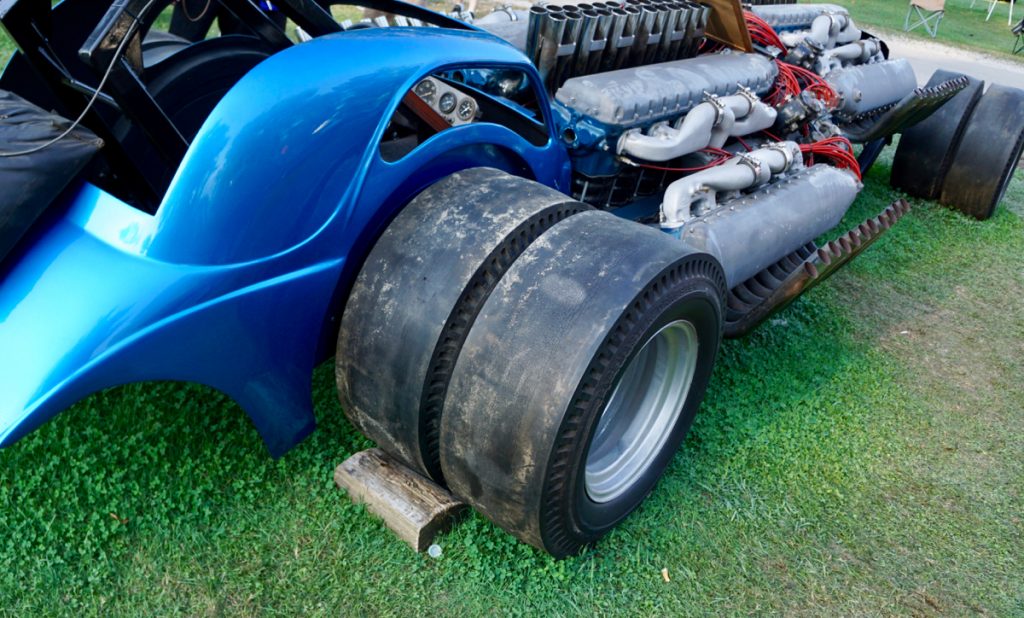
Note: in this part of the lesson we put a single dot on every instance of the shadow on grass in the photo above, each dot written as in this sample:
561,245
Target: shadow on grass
160,498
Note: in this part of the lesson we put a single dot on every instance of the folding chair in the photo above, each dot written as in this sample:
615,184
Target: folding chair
927,13
992,7
1018,46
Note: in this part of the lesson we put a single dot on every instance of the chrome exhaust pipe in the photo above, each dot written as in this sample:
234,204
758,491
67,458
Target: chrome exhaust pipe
565,51
551,32
679,34
702,27
656,34
642,38
567,41
537,15
668,32
692,24
600,46
628,37
614,41
584,42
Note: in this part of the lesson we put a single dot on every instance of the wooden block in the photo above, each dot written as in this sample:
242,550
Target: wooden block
414,507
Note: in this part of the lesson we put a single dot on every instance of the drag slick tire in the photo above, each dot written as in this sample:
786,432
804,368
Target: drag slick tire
580,378
418,293
987,155
926,149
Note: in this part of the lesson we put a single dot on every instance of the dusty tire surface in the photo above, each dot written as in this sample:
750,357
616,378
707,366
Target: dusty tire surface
988,153
542,362
926,149
418,293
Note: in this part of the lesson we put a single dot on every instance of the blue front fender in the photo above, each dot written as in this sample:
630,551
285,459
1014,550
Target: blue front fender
82,311
236,283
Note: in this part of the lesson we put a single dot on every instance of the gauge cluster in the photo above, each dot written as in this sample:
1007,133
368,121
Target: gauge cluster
456,107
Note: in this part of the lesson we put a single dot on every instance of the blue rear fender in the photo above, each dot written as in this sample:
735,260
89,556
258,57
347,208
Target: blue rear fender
236,283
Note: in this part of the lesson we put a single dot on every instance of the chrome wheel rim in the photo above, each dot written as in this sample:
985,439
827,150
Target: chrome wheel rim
645,404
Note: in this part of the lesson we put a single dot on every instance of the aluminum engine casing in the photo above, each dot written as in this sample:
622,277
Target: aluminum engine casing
867,88
754,230
784,17
594,110
644,95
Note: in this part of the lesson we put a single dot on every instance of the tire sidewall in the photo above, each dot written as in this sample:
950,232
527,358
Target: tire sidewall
699,305
1007,175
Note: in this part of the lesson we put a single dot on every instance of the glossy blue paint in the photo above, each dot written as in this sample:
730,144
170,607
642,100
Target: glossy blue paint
237,282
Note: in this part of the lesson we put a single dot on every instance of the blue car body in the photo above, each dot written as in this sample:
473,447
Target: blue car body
238,280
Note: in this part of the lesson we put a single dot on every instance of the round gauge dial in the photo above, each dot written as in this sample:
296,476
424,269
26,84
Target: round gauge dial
426,89
466,109
447,103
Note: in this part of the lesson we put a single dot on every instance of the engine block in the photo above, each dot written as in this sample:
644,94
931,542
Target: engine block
593,112
784,17
661,92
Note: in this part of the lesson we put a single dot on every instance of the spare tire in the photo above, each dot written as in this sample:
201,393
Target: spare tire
987,155
159,46
418,293
187,85
580,379
926,149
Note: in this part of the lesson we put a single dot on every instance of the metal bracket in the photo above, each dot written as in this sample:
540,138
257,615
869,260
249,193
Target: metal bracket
755,165
715,102
786,152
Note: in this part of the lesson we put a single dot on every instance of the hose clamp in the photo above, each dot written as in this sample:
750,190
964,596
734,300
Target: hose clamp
748,94
717,104
831,21
787,154
753,163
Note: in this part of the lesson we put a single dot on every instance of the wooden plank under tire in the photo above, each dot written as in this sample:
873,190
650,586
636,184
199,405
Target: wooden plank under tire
415,508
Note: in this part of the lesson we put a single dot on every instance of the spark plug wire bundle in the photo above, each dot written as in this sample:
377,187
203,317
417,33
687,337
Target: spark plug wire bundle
839,150
811,81
792,79
786,85
762,33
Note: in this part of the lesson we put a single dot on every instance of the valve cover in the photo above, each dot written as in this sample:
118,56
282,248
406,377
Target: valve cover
644,95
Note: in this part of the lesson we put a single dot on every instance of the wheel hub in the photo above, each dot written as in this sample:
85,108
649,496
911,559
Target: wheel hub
645,404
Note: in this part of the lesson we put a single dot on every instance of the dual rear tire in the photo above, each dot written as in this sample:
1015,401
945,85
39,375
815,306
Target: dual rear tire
926,149
574,376
964,154
987,154
580,379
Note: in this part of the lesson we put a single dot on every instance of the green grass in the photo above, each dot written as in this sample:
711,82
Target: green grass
961,26
863,453
6,47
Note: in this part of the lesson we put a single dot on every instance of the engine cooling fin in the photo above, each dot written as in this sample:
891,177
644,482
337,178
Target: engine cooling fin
755,300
